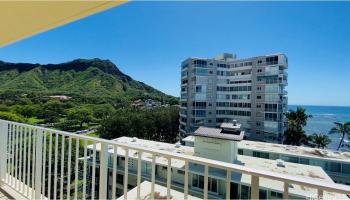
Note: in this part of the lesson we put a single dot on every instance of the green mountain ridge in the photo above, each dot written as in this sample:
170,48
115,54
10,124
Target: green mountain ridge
82,77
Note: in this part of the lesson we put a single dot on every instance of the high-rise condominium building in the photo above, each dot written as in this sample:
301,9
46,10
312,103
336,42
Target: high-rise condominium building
224,88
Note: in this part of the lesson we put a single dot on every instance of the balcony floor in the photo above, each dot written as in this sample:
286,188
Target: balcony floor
4,196
7,192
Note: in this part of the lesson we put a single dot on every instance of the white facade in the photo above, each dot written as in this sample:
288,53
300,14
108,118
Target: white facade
222,89
218,149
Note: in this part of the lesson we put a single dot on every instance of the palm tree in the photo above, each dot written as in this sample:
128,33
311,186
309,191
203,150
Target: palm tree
295,135
341,128
319,140
299,116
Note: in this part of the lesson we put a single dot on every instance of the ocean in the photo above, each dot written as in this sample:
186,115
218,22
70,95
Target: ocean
323,118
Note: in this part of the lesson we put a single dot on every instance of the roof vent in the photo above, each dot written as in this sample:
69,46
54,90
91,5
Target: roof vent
134,139
280,163
346,154
324,152
234,122
290,148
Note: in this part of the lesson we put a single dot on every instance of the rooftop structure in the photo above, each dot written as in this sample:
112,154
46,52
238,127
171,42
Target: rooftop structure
218,133
161,193
299,170
336,164
287,149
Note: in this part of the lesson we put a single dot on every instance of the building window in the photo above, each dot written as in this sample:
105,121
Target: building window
276,194
273,60
198,182
201,71
213,185
261,154
271,107
199,104
120,178
270,116
198,88
258,97
304,161
245,192
200,62
180,172
199,113
334,167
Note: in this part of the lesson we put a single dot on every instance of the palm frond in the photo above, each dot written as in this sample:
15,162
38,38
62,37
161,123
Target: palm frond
338,124
334,130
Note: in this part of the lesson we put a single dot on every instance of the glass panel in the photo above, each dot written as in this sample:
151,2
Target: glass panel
201,182
195,180
262,194
346,168
245,194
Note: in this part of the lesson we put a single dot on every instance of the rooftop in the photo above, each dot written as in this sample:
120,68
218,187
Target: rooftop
296,150
299,170
290,150
219,133
230,125
160,193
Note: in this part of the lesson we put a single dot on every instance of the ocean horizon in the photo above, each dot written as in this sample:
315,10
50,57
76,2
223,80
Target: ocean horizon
323,118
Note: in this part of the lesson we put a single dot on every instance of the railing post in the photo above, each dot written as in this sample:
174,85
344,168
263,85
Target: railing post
38,164
153,179
126,178
228,184
320,194
254,187
168,180
103,171
3,150
139,163
206,171
186,180
285,191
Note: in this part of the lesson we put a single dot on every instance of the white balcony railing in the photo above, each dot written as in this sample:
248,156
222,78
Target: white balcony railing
44,163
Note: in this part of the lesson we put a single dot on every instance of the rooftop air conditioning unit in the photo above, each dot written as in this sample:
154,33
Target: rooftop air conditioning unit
280,163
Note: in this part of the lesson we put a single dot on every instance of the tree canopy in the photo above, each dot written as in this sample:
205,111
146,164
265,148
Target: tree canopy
342,129
295,134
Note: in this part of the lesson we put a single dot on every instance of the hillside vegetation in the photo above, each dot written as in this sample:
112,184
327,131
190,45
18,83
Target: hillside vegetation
100,100
81,78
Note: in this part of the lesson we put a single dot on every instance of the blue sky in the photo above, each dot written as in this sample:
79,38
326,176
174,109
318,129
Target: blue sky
148,41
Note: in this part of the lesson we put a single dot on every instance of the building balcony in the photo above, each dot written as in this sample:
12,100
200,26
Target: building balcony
40,163
283,82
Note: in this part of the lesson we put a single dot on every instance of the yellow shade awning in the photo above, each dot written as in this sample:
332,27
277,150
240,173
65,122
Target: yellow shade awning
21,19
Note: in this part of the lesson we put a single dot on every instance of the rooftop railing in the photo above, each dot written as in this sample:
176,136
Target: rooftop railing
43,163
